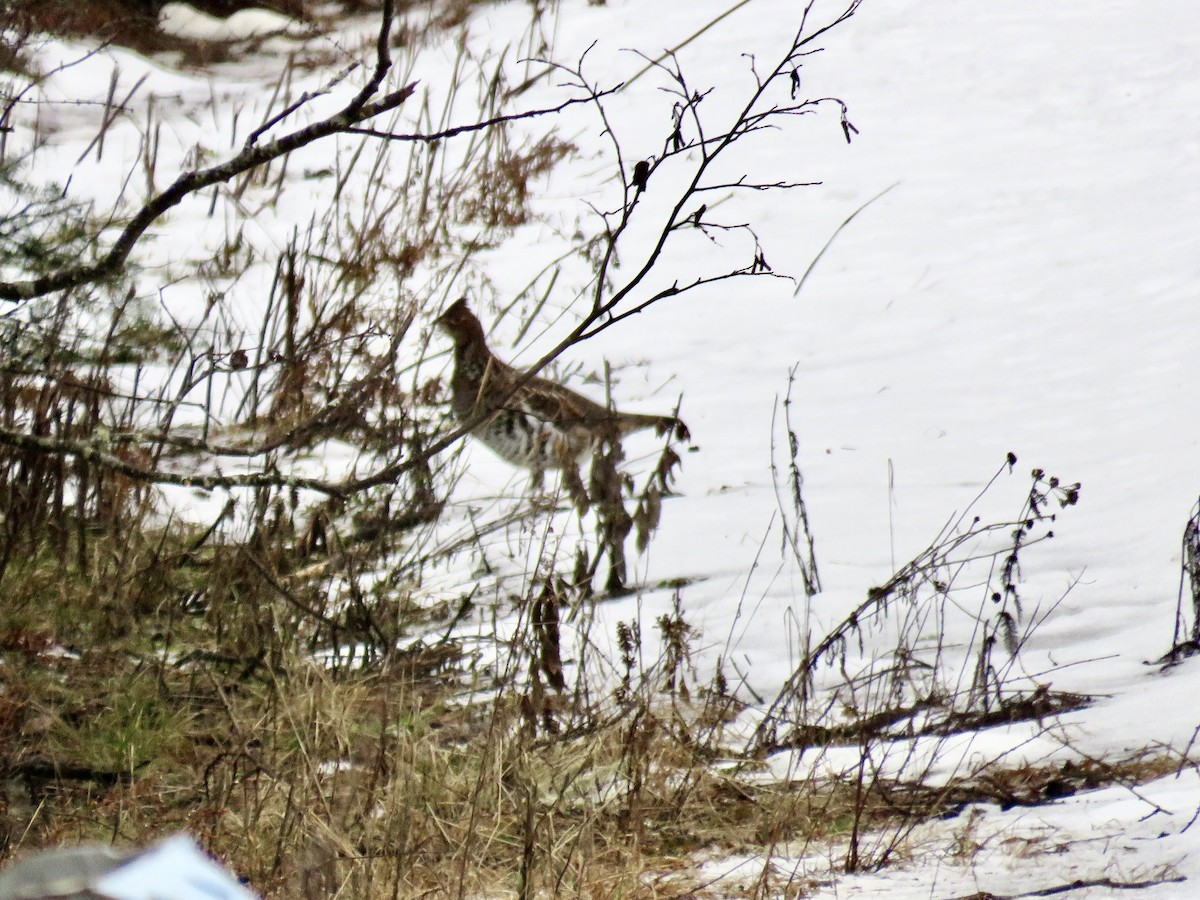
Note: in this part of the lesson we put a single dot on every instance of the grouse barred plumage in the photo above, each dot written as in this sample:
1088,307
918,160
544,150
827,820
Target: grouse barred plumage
538,423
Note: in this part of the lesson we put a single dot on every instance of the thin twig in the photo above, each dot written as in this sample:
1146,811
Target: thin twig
850,218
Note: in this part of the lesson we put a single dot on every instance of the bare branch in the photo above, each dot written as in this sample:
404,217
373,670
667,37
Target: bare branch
712,22
432,136
675,290
850,218
93,452
306,97
757,186
358,109
191,182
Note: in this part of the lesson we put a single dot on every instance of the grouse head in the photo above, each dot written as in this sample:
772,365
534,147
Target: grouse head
460,323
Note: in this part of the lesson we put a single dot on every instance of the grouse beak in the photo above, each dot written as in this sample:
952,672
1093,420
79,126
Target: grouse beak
443,321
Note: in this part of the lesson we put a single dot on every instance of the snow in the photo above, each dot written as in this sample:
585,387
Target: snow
182,20
1029,285
1107,841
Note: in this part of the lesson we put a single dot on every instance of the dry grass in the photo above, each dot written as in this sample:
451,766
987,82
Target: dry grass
415,774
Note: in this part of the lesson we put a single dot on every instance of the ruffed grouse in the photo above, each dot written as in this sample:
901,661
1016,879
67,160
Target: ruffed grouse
538,424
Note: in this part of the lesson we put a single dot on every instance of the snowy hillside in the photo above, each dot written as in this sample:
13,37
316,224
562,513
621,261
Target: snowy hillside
1029,286
1023,279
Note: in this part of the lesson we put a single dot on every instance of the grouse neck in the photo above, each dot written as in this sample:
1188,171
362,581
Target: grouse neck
472,352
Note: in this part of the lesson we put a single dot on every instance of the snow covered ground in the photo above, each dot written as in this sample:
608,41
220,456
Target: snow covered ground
1104,843
1028,285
